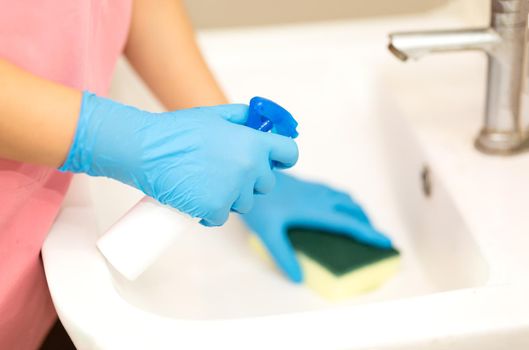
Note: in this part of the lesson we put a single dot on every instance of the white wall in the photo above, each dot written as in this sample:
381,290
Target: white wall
128,88
227,13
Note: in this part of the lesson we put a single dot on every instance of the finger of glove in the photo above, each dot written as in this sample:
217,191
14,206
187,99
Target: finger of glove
355,212
244,203
283,150
350,226
235,113
343,203
265,183
284,256
216,218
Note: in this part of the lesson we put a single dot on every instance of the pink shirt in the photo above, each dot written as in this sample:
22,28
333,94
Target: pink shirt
76,43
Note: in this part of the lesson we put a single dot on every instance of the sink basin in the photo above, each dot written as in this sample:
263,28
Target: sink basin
209,290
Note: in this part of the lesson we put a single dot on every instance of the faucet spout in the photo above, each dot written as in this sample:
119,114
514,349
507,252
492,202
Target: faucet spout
414,45
506,42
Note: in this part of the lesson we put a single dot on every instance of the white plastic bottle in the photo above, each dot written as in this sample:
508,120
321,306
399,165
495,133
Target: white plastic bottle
138,238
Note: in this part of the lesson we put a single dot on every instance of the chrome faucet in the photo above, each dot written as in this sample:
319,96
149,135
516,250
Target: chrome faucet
506,44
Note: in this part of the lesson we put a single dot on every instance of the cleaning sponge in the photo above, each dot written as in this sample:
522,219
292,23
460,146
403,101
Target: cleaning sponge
335,266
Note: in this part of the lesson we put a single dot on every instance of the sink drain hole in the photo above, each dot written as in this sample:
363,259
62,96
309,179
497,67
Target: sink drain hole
426,181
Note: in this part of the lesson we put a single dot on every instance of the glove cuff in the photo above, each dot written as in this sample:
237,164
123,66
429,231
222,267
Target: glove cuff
79,157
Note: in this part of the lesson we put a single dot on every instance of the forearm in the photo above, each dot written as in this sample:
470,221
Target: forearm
162,49
37,117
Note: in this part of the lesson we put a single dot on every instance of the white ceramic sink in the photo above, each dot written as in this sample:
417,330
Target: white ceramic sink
210,291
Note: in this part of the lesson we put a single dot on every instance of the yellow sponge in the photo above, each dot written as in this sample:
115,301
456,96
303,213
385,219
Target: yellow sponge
335,266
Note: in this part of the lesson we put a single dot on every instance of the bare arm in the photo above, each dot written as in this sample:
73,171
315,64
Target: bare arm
162,49
37,117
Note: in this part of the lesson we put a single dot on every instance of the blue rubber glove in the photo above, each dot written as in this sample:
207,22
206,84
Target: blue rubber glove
296,203
201,161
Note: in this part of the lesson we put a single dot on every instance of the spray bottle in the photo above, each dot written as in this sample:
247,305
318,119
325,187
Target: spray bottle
142,234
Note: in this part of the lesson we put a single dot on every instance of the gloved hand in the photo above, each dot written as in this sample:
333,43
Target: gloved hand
296,203
201,161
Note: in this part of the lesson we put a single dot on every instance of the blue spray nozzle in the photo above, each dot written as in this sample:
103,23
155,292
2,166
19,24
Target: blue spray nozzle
266,115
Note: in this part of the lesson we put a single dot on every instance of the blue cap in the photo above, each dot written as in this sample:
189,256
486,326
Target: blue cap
265,115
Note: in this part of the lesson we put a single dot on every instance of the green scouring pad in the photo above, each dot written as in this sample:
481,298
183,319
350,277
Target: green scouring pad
336,266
